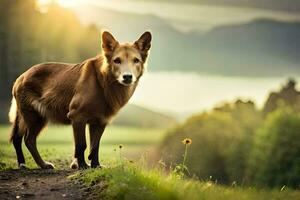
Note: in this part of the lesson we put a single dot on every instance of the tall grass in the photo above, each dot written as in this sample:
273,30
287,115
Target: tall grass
123,179
134,181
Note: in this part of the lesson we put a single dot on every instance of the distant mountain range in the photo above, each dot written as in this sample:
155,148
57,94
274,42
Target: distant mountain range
263,47
133,115
280,5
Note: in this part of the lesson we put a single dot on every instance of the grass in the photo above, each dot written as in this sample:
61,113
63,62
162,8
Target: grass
134,181
55,144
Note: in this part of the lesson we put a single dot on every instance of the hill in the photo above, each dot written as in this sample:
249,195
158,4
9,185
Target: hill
137,116
263,47
287,5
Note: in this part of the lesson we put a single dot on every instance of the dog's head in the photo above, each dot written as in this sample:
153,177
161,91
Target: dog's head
126,62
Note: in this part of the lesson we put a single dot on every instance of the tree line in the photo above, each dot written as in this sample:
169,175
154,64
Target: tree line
236,143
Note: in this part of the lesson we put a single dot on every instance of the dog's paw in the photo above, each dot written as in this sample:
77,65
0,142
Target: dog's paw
84,166
99,166
47,165
74,164
95,164
22,166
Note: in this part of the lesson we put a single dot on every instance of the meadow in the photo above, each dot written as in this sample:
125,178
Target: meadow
134,180
55,144
127,174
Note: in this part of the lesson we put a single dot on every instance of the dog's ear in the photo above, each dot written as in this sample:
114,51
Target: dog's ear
144,42
109,43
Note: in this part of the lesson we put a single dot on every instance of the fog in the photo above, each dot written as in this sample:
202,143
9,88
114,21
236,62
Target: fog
187,93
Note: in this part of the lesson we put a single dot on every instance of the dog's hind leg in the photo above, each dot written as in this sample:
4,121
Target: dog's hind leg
16,139
30,142
35,123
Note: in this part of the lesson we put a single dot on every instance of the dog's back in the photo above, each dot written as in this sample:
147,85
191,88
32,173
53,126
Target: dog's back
48,89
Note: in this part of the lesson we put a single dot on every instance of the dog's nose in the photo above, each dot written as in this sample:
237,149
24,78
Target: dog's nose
127,78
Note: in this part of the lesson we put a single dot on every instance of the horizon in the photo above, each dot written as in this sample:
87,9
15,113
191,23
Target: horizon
183,16
152,95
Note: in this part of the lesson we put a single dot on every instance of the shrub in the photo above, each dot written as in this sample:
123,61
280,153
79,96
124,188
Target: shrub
222,140
275,158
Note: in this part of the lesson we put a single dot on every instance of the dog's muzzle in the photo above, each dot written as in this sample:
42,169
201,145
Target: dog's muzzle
127,79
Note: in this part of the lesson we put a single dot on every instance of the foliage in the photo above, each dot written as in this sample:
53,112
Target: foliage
237,144
222,140
286,96
275,159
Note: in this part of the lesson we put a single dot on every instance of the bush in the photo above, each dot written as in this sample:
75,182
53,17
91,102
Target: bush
222,140
275,158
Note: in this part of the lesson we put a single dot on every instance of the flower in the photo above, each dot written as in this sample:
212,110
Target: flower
120,146
187,141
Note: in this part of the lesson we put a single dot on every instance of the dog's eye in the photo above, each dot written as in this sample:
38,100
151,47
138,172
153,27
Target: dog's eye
136,60
117,61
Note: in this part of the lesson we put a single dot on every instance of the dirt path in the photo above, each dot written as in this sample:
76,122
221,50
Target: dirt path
39,184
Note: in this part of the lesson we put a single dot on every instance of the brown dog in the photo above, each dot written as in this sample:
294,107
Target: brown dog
91,92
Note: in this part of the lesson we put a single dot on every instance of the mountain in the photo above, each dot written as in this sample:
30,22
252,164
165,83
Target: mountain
133,115
263,47
279,5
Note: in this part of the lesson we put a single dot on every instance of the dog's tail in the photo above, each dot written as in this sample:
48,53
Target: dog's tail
12,115
13,118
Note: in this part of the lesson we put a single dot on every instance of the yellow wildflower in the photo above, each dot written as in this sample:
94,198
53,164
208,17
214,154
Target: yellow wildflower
187,141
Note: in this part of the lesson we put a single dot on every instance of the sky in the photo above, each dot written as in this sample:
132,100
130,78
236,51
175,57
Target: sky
188,93
184,16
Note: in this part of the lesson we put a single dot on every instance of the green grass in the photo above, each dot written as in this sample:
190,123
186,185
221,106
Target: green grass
55,144
133,181
124,179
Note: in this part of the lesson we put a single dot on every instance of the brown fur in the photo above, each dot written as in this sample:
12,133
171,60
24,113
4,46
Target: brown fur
77,94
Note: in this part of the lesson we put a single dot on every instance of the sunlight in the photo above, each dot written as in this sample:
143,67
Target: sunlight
67,3
63,3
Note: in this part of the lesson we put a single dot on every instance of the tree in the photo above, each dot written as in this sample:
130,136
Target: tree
286,96
275,158
222,141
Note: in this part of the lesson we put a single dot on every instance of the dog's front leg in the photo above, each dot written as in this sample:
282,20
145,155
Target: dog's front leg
80,145
96,131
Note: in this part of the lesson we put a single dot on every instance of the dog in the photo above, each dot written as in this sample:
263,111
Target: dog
89,93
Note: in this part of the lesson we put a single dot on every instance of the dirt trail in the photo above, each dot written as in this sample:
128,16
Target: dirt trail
39,184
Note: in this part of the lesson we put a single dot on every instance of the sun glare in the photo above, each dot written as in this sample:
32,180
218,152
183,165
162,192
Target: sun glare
63,3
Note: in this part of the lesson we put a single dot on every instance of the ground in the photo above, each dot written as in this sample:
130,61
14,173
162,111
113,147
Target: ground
56,145
39,184
126,174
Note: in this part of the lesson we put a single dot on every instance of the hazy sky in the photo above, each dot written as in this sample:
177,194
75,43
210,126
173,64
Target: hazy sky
188,93
184,15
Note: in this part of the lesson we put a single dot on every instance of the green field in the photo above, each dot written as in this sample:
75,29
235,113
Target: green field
129,176
55,144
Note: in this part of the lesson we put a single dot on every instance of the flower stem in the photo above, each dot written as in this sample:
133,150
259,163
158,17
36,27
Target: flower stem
185,155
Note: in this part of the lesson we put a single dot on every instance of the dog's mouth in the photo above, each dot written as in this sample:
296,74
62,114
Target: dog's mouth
126,82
